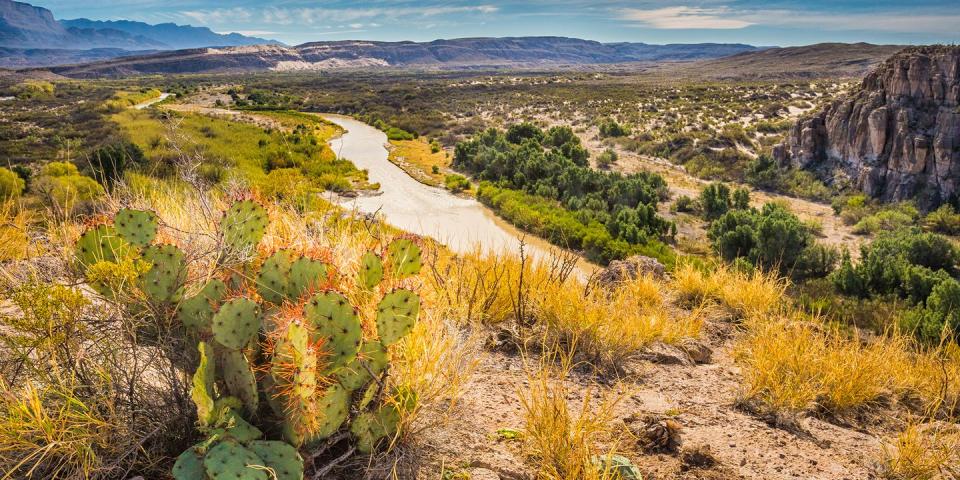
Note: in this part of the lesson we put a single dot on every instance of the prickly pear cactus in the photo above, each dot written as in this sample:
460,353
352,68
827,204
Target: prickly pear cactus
293,378
371,270
240,379
335,324
333,407
372,359
274,277
396,315
404,257
236,323
100,244
244,224
229,460
196,312
189,465
137,227
306,275
164,281
280,457
202,389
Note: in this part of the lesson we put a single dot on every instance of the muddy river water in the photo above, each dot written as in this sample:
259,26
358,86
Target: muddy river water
460,223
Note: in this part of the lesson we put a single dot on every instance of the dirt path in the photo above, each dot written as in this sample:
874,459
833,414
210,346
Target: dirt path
700,397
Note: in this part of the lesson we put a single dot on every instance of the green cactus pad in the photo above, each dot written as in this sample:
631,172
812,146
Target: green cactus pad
228,460
356,374
404,257
282,458
274,277
396,315
371,427
238,428
333,407
240,379
202,391
336,322
306,274
244,225
196,312
164,281
100,243
236,322
137,227
189,465
293,383
371,270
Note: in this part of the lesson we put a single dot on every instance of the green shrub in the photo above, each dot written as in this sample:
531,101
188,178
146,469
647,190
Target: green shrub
771,238
610,128
715,200
607,158
940,316
944,220
685,204
394,133
456,183
11,185
63,185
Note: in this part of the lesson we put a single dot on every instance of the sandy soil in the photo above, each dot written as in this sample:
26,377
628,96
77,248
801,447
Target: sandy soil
704,395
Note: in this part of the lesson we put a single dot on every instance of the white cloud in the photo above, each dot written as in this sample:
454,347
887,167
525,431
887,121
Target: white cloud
682,17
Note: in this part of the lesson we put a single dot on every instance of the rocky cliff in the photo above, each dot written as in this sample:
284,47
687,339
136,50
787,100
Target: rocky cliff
895,137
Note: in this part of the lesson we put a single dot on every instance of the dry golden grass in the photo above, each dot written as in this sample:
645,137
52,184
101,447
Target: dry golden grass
15,225
565,441
747,295
923,452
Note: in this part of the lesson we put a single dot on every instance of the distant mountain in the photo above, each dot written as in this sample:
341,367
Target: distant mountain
171,35
25,27
455,53
811,61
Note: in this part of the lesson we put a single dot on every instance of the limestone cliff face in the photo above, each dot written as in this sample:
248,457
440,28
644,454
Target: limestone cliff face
896,136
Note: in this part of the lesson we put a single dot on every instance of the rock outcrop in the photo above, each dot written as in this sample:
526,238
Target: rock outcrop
895,137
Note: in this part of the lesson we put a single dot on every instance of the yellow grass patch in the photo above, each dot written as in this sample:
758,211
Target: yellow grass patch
416,158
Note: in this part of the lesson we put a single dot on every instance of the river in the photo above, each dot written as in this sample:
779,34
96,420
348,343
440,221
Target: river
458,222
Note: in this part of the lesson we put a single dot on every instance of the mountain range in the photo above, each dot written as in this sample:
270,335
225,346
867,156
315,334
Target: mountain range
31,35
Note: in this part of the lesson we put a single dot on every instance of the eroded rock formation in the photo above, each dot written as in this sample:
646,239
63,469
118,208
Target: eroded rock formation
895,137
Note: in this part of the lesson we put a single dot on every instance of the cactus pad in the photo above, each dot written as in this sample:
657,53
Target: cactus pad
306,274
189,465
282,458
274,277
202,390
396,315
293,383
238,428
404,257
332,410
240,379
228,460
335,321
164,281
137,227
356,374
244,224
196,312
100,243
236,323
371,270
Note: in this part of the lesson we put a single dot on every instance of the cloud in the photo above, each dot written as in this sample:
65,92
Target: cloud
683,17
321,15
249,33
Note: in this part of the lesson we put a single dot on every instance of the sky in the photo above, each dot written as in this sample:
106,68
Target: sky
783,22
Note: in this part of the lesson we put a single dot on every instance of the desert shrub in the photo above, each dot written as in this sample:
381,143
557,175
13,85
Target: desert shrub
921,452
456,183
741,199
715,200
939,316
944,220
610,128
288,184
886,219
816,261
11,185
772,238
519,132
607,158
108,163
64,187
685,204
395,133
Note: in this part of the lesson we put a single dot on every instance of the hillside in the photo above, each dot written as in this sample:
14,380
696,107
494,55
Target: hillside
25,29
464,52
811,61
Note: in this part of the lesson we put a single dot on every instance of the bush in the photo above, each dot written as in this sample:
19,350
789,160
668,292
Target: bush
940,316
11,185
685,204
456,183
944,220
64,187
394,133
610,128
771,238
607,158
715,200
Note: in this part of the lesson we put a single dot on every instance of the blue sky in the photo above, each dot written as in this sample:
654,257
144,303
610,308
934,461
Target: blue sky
784,22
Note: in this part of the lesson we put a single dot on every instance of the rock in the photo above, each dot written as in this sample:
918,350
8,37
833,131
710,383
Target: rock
895,137
699,456
620,271
658,434
483,474
698,351
664,354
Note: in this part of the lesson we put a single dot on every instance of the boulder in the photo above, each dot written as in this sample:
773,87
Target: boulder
620,271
